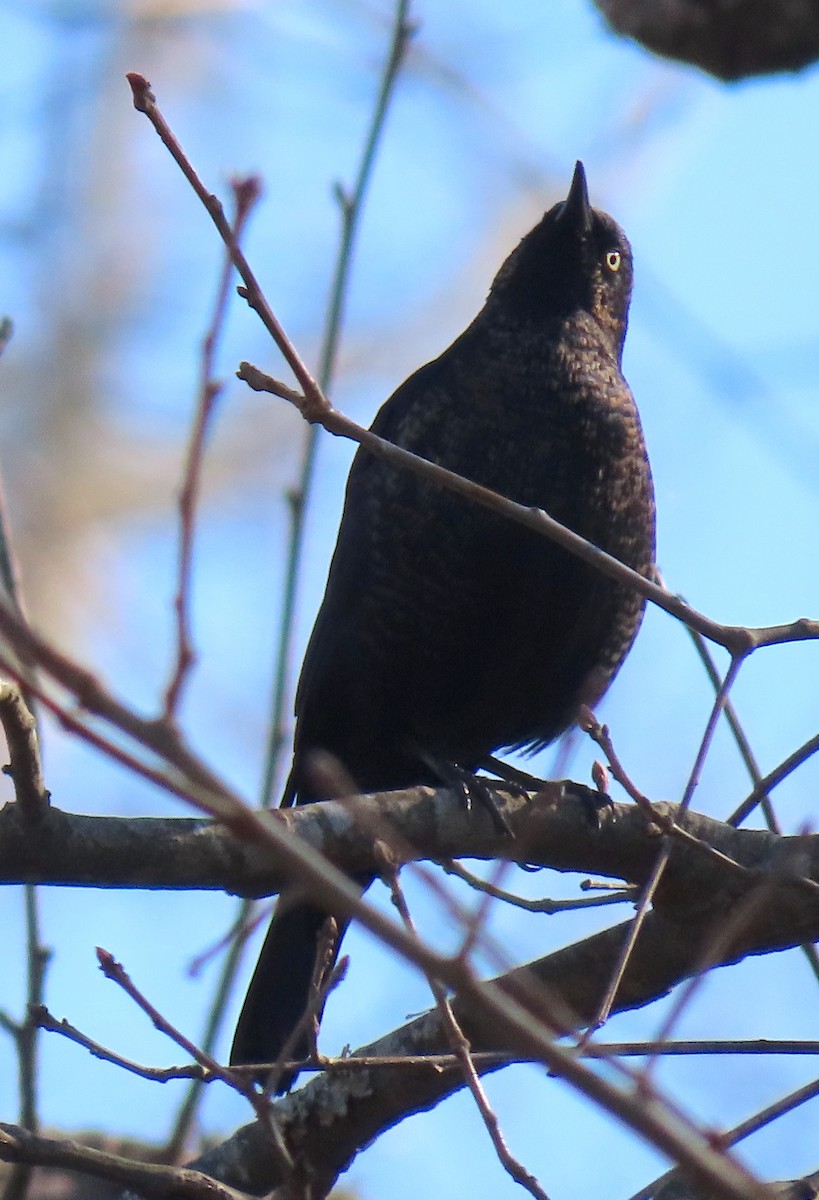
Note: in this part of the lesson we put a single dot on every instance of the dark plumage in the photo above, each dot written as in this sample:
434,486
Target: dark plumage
447,633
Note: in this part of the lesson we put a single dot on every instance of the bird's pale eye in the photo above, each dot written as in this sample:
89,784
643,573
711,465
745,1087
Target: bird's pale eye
613,259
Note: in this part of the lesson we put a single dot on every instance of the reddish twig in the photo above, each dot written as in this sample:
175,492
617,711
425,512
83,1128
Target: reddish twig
463,1054
145,102
246,192
766,1117
114,971
668,825
241,929
321,986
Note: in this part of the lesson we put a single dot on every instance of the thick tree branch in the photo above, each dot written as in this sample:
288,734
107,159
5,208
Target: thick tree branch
523,1011
327,1122
552,829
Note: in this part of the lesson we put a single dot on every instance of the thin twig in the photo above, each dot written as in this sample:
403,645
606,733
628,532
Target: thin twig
668,825
691,1048
652,883
752,766
758,1121
684,1048
320,989
475,925
19,718
68,717
725,933
244,925
734,724
463,1054
245,192
773,779
351,205
51,1024
688,795
621,894
38,957
186,1113
114,971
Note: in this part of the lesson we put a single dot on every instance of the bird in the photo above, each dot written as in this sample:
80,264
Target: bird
446,632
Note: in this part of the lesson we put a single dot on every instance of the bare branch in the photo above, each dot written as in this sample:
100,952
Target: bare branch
191,853
547,905
331,1117
45,1020
245,193
115,972
25,768
154,1182
739,640
778,1109
463,1056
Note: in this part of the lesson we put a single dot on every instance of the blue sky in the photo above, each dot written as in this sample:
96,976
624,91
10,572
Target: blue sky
716,187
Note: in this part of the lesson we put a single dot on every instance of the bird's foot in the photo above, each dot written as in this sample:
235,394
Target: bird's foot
472,788
594,800
521,781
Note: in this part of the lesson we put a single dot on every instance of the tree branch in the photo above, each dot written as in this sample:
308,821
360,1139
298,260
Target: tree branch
154,1182
334,1115
552,829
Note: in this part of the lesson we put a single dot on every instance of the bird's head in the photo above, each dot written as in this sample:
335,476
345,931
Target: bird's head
575,259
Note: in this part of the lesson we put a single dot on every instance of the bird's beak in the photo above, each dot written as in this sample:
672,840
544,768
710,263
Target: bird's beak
575,212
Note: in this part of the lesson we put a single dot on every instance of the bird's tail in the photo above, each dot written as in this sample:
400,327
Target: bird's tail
279,991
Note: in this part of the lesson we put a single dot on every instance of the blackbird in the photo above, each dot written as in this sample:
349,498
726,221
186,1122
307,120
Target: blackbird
446,632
